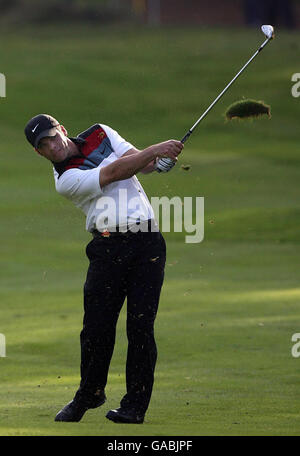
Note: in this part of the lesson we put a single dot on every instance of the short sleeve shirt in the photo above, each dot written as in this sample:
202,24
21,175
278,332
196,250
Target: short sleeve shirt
122,203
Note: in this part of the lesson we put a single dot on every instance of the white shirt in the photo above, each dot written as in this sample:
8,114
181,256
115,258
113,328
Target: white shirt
120,203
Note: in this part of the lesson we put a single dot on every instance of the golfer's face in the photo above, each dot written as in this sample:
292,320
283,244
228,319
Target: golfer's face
54,148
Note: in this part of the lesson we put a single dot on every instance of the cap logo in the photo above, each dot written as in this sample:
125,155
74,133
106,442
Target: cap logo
35,128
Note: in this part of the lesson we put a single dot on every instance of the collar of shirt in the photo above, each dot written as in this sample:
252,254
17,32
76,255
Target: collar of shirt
78,141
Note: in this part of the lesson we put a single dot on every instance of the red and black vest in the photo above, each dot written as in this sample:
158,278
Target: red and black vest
94,147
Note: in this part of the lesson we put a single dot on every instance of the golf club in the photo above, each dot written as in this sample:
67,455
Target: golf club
268,31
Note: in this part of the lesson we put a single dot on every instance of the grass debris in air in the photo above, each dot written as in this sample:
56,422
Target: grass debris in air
245,109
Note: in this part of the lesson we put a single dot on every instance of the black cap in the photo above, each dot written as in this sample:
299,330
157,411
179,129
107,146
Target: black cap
40,126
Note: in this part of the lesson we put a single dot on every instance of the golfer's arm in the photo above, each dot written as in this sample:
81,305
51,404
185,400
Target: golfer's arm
148,168
128,165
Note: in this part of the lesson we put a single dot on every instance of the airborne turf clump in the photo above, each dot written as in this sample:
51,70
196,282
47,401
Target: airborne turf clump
246,109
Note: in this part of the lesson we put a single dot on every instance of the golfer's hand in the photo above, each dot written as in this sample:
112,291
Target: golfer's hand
164,165
169,149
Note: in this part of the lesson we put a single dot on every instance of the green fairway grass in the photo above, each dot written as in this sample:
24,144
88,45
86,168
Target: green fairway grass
230,304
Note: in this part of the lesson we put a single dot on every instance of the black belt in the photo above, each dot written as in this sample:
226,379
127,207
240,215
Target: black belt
119,231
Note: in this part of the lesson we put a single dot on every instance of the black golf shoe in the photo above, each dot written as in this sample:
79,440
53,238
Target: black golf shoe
74,410
121,415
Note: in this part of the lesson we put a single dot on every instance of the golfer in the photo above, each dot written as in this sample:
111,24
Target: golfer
97,171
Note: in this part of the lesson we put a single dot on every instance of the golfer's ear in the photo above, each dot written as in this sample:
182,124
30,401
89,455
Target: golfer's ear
65,132
37,151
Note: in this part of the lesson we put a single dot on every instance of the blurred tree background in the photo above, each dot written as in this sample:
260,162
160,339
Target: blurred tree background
154,12
104,11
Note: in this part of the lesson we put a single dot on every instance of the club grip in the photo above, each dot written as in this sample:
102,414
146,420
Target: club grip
186,136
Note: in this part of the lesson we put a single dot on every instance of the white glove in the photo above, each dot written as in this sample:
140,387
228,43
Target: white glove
163,165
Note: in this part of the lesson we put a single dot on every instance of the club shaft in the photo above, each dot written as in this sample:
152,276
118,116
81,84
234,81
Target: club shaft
188,134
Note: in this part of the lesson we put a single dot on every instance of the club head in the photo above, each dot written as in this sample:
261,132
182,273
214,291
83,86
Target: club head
268,31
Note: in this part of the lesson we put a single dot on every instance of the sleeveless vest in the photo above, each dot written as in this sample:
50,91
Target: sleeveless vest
94,146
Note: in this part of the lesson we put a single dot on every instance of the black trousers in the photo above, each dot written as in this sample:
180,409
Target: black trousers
132,266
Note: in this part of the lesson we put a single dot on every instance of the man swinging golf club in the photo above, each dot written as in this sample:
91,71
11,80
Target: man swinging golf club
124,262
127,255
